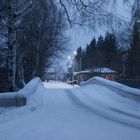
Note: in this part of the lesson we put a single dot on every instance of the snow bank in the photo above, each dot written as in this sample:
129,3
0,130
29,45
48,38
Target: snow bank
112,84
31,94
30,87
33,97
104,102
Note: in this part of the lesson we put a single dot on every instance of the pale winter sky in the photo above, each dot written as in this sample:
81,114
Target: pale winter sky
81,37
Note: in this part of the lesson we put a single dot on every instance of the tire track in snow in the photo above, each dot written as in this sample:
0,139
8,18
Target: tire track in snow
93,110
125,113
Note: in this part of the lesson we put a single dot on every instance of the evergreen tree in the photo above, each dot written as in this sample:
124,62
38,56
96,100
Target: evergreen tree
78,59
100,42
92,53
110,48
89,54
102,53
134,53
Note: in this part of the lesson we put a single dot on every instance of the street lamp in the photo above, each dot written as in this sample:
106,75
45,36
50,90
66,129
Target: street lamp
69,64
69,57
73,62
124,58
75,53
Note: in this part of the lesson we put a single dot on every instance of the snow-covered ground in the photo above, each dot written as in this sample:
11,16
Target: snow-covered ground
57,111
112,84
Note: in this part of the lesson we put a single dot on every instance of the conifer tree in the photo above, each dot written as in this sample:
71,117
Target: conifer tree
134,53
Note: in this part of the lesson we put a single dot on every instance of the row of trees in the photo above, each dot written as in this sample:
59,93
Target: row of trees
40,39
106,52
133,53
34,31
103,52
30,42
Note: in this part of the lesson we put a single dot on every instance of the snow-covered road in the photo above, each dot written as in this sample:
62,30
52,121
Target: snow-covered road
91,112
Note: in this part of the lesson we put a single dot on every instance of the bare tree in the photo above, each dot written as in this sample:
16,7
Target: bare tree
41,37
91,13
82,12
13,10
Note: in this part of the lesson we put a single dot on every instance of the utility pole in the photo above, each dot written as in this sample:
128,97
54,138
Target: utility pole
73,70
124,57
73,64
80,63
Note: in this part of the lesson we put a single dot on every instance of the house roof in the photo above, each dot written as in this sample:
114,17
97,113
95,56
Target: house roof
84,71
98,70
104,70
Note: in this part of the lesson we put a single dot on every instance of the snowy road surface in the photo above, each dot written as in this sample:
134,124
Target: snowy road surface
91,112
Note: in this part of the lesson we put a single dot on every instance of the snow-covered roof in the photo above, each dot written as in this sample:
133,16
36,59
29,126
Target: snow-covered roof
104,70
98,70
84,71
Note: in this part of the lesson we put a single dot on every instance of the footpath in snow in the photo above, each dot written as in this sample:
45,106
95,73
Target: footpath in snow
57,111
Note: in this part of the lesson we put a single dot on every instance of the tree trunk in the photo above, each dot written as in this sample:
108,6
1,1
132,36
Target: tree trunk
21,72
34,74
11,47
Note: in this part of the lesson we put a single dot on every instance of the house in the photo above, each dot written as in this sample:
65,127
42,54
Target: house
104,72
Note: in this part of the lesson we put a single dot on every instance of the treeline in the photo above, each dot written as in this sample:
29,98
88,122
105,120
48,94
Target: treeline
40,39
105,52
133,53
37,37
33,32
101,52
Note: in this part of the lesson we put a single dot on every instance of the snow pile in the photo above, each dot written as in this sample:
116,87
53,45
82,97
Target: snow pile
32,92
77,113
112,84
106,103
11,95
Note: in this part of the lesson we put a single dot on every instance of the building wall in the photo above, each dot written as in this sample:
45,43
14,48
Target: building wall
87,76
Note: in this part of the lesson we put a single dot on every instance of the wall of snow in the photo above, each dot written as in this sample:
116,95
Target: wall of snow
21,97
118,88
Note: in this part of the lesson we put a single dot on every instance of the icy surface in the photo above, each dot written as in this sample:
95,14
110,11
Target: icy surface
62,112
